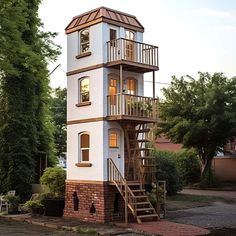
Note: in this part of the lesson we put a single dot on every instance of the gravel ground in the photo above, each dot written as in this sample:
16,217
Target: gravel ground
219,215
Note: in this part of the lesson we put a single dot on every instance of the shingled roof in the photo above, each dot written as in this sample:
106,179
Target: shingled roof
104,14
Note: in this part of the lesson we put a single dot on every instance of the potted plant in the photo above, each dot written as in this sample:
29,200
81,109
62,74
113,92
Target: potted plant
53,181
13,202
34,206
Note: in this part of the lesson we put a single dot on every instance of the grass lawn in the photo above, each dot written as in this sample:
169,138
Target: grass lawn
185,201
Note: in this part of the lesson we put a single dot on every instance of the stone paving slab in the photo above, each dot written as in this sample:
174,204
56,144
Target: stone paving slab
157,228
167,228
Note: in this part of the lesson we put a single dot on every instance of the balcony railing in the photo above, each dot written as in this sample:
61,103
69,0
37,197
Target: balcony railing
132,106
128,50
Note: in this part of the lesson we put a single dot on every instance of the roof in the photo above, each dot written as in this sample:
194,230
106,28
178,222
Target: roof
104,14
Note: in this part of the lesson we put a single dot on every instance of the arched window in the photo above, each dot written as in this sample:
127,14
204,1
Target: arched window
84,41
84,146
84,90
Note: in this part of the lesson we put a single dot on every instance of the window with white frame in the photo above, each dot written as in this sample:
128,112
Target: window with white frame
84,89
84,147
84,41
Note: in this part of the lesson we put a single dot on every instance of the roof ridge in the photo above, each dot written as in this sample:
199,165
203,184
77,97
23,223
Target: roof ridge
107,8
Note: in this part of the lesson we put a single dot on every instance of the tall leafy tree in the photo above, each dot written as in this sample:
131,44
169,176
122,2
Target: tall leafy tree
25,128
58,110
200,114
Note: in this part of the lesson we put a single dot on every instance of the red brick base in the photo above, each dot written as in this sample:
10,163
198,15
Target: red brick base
100,195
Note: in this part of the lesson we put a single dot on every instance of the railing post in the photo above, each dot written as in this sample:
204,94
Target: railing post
126,203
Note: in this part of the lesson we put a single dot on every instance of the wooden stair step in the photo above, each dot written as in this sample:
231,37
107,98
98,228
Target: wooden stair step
142,203
145,149
140,140
145,209
147,216
143,140
146,157
133,183
142,130
148,165
141,196
138,190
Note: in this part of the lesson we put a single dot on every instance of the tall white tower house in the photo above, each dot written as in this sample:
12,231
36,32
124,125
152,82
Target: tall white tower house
108,117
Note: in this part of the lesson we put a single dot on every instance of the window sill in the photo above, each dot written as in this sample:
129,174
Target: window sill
81,104
83,164
85,54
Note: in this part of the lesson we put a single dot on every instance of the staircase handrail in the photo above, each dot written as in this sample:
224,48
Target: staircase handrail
116,177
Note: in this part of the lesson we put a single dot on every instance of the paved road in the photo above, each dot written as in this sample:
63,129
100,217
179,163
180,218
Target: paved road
219,215
14,228
227,194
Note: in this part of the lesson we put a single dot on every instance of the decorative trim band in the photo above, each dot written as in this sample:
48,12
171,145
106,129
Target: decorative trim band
73,72
85,181
96,119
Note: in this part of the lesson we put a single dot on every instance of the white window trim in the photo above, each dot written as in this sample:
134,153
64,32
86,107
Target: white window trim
80,149
79,89
80,44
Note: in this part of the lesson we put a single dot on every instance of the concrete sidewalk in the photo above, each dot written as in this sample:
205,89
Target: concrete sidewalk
162,227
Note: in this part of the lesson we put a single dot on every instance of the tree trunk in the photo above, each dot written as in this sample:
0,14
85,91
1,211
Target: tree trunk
207,177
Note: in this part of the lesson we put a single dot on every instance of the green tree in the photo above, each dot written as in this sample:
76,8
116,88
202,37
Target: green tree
25,127
58,110
200,114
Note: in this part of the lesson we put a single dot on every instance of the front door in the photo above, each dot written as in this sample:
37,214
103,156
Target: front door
115,149
129,45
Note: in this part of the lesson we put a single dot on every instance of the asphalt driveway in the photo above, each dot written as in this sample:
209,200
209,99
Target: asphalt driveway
219,215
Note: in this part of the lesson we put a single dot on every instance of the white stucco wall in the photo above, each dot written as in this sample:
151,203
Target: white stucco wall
96,84
95,172
99,131
99,36
99,150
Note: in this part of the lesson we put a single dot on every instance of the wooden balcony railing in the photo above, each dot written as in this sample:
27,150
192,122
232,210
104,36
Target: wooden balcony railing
128,50
132,105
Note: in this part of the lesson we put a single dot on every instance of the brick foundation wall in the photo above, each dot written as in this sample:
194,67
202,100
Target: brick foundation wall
101,195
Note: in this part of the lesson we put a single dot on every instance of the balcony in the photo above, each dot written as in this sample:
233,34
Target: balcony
132,55
132,107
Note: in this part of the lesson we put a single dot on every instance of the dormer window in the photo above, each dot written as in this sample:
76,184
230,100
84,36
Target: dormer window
84,41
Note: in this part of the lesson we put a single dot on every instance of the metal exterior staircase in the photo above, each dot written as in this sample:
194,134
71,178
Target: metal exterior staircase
134,196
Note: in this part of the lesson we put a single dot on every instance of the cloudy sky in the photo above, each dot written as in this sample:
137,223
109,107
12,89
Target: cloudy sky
192,35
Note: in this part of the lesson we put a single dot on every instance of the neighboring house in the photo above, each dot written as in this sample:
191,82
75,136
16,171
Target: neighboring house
108,117
164,144
224,164
62,160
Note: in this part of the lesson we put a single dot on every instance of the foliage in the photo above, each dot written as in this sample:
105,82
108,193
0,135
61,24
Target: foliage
53,179
167,170
34,206
58,111
200,114
25,128
189,166
12,200
90,231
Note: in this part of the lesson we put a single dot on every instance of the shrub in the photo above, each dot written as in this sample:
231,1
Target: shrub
34,206
13,202
167,170
53,180
189,166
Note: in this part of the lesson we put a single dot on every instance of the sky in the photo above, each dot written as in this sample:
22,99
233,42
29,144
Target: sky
192,35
